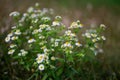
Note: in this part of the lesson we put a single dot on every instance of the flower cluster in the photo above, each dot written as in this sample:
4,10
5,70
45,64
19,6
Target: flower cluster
93,38
42,43
41,58
76,24
22,52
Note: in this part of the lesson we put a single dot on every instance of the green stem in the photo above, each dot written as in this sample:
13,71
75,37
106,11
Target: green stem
31,76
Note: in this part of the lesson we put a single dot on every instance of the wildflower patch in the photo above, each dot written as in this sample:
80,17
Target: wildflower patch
43,44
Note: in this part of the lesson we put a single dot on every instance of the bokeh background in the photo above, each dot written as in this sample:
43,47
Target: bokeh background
91,13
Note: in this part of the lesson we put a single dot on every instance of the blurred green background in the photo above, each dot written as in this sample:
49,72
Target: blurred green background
90,12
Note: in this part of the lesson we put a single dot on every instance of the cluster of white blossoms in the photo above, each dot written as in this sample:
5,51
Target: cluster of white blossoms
41,58
12,48
22,52
71,36
69,33
75,25
94,36
55,42
57,21
10,37
71,41
13,35
46,19
44,26
67,45
40,40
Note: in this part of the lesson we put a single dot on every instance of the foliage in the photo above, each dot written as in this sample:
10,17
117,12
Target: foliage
48,49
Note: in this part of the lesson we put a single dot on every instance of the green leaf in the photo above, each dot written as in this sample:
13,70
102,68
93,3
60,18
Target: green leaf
16,57
59,72
45,76
27,67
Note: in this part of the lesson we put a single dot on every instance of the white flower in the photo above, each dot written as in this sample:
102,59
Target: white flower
75,25
41,37
41,67
23,52
94,40
7,39
31,27
11,51
14,37
46,18
40,58
35,31
31,40
102,26
96,45
37,11
30,9
45,50
17,32
56,23
103,37
57,40
22,19
39,30
100,51
53,58
42,43
92,48
52,39
70,52
56,44
44,11
15,13
33,16
68,32
80,25
10,35
88,35
36,4
98,38
25,15
72,35
12,45
58,17
52,50
13,27
48,29
78,44
43,47
67,45
94,35
35,21
43,26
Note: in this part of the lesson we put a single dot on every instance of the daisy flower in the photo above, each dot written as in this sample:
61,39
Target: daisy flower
41,67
